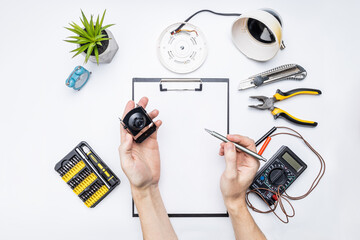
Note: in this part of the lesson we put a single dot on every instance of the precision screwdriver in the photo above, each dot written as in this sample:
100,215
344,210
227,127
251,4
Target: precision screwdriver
244,149
104,171
87,159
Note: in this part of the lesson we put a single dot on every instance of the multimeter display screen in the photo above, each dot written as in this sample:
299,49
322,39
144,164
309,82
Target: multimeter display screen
290,160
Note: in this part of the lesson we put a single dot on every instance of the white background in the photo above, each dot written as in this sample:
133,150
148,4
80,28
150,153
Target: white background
42,119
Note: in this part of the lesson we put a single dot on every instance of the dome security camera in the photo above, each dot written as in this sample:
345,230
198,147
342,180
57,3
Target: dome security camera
258,34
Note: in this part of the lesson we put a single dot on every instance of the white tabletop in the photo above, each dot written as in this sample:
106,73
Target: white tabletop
42,119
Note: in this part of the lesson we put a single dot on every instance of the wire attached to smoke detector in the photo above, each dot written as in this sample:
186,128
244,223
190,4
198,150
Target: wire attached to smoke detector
204,10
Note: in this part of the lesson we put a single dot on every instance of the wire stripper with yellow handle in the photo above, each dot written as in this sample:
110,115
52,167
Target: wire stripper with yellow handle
268,104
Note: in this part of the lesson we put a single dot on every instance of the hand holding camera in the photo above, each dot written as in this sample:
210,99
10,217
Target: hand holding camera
140,160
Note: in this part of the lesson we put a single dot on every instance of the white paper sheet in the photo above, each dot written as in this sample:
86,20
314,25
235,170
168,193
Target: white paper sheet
190,164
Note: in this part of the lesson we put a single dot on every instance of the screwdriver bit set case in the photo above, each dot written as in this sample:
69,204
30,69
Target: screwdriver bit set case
87,175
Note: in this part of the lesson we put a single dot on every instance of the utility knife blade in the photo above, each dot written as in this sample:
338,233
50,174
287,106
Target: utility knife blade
283,72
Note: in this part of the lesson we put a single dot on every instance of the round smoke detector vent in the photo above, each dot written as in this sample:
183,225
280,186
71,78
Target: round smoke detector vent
184,51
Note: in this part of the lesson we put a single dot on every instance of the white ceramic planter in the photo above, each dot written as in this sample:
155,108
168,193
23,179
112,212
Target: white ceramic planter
108,55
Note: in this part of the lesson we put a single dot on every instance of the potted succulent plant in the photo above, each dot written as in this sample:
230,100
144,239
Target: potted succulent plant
93,40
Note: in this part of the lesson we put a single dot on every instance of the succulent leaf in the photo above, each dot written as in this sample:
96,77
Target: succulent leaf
85,22
80,49
89,51
99,36
103,39
97,26
103,28
102,19
92,26
96,51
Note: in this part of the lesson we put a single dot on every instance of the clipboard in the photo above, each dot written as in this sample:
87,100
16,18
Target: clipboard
190,165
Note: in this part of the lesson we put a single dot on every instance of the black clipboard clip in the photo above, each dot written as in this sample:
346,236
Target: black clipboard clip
187,84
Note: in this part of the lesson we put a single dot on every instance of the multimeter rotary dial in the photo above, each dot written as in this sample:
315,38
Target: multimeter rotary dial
278,174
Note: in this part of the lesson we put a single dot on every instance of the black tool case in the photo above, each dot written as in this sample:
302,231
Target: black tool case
86,176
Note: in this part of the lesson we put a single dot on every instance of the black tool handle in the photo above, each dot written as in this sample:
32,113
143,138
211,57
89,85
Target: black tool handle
280,95
277,112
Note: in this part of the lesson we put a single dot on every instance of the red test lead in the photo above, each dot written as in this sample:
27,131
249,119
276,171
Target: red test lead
262,149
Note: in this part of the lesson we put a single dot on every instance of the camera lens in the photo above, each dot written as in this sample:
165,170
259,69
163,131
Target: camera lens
259,31
137,121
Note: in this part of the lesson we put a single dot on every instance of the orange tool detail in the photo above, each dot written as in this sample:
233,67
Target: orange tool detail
262,149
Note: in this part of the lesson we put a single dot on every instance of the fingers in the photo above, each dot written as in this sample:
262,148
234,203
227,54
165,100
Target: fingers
143,102
243,141
157,124
125,149
154,113
230,160
126,145
221,151
129,106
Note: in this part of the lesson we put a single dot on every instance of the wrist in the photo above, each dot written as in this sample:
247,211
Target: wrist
235,206
139,193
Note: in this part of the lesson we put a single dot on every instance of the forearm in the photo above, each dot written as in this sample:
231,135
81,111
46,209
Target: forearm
243,223
155,223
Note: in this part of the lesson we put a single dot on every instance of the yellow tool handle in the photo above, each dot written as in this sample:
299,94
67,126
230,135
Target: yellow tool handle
279,95
277,112
103,171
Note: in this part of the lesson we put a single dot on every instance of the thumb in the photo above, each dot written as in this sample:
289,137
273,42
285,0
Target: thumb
230,160
126,147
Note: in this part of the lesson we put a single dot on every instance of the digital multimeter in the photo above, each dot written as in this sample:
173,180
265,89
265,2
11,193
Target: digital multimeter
282,169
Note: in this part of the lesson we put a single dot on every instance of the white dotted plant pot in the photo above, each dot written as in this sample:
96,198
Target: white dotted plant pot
109,53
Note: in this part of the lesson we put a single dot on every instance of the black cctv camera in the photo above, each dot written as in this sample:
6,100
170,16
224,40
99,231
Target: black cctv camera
139,124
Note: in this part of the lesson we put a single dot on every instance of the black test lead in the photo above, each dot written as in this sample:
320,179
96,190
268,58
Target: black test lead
258,142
